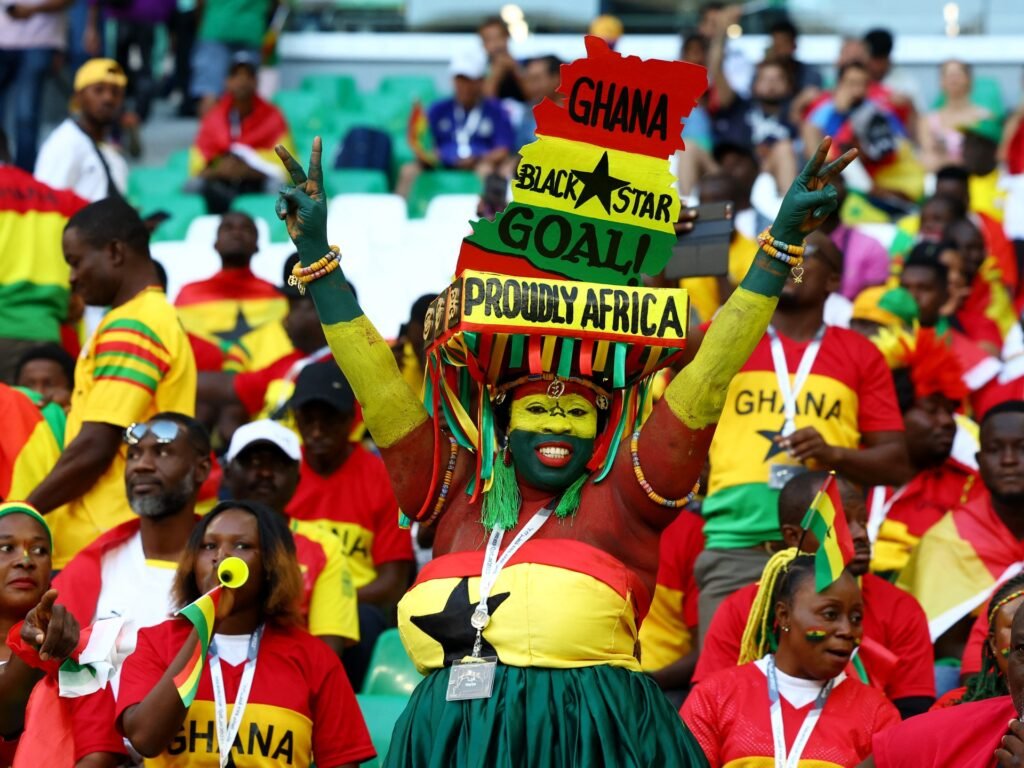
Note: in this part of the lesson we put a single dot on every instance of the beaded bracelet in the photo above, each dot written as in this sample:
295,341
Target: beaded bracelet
792,250
446,484
790,255
785,258
651,493
302,276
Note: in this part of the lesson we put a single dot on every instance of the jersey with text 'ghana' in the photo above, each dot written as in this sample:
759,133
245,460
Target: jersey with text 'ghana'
729,714
137,364
301,707
848,393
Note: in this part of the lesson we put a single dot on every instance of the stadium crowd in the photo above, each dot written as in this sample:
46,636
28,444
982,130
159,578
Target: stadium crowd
145,440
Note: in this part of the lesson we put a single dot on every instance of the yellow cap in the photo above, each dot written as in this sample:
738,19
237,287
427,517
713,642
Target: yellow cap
607,27
866,307
96,71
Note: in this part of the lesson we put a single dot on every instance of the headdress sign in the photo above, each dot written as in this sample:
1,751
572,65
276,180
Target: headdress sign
553,287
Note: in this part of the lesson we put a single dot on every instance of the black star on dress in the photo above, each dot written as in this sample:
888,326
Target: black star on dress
451,628
773,447
241,328
598,183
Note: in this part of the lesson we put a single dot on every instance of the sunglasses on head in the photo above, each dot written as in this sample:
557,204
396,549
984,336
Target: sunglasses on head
163,431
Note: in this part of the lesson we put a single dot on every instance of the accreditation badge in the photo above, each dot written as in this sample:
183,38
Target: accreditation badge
780,474
472,678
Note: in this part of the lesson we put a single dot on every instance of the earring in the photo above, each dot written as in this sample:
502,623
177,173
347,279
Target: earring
785,629
506,456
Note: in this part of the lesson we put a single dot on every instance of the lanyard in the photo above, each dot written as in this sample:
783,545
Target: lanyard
228,730
791,393
464,135
779,734
493,564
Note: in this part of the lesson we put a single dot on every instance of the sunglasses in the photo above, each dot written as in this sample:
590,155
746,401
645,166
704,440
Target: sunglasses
163,431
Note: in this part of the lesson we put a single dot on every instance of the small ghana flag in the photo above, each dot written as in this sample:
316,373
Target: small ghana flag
825,519
201,613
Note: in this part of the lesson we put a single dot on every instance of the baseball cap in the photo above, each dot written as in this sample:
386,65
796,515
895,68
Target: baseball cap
244,59
96,71
264,431
325,383
469,63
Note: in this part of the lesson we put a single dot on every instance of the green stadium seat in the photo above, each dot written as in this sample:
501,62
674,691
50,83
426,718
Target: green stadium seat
182,209
410,87
146,182
262,206
388,111
353,180
431,183
178,160
300,108
381,713
333,91
391,671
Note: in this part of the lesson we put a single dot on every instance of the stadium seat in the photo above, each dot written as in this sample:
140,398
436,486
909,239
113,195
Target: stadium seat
381,217
410,87
391,671
182,209
299,107
145,183
178,160
261,206
333,91
355,181
202,232
459,208
429,184
381,713
388,111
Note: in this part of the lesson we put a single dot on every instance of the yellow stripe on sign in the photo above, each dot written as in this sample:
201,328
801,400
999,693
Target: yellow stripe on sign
588,180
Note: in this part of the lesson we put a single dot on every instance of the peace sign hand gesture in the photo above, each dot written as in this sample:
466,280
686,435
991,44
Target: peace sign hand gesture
811,198
302,205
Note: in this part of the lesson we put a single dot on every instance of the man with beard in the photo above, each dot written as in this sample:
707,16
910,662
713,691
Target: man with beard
809,397
978,544
129,571
896,652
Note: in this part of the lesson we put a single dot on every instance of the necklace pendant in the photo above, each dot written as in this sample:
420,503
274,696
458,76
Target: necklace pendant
480,620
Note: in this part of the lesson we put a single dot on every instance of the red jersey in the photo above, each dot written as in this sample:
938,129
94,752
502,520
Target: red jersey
964,736
251,387
892,619
729,716
667,632
301,705
356,503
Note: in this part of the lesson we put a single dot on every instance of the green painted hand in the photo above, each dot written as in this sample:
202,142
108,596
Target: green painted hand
302,205
811,198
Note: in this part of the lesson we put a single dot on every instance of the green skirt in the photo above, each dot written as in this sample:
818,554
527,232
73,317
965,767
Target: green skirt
541,718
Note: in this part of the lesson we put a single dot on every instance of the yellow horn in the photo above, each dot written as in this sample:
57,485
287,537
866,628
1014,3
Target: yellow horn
233,572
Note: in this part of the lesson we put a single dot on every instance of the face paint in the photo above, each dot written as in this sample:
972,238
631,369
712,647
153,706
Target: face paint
549,462
569,414
815,635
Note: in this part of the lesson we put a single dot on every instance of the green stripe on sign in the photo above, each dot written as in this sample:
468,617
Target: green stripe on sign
127,324
136,358
578,247
123,372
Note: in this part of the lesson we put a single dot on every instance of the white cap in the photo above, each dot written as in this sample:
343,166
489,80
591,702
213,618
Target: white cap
265,431
469,62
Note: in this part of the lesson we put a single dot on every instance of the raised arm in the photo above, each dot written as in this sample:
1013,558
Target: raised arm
674,443
391,410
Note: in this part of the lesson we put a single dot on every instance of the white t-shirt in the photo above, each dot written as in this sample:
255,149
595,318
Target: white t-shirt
40,30
137,589
68,160
796,690
232,649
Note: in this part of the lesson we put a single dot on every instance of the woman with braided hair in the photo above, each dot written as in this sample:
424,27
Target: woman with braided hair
790,698
995,648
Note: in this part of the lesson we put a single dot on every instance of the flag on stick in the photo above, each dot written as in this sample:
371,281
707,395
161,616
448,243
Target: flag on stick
826,520
201,613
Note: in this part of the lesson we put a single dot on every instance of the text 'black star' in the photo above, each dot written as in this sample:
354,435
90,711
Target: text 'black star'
451,628
598,183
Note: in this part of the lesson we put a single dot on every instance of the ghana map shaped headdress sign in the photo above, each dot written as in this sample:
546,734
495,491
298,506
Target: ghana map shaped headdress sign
553,286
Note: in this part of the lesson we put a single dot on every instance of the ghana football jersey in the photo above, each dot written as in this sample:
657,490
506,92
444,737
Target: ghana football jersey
355,503
137,364
301,707
328,594
849,392
729,715
667,632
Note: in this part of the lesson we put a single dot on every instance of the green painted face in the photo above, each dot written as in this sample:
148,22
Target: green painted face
551,439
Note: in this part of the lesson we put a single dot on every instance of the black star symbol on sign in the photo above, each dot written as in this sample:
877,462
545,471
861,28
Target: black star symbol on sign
241,328
451,628
598,183
773,447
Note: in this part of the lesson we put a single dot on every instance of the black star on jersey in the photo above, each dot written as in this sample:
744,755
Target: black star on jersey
773,447
241,328
598,183
451,627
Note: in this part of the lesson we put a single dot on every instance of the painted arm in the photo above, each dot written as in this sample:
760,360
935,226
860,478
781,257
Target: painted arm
675,440
391,410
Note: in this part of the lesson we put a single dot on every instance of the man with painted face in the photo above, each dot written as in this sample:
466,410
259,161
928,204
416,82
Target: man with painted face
897,652
558,619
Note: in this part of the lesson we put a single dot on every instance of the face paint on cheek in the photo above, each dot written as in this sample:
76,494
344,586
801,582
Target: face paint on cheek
549,462
815,635
567,415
